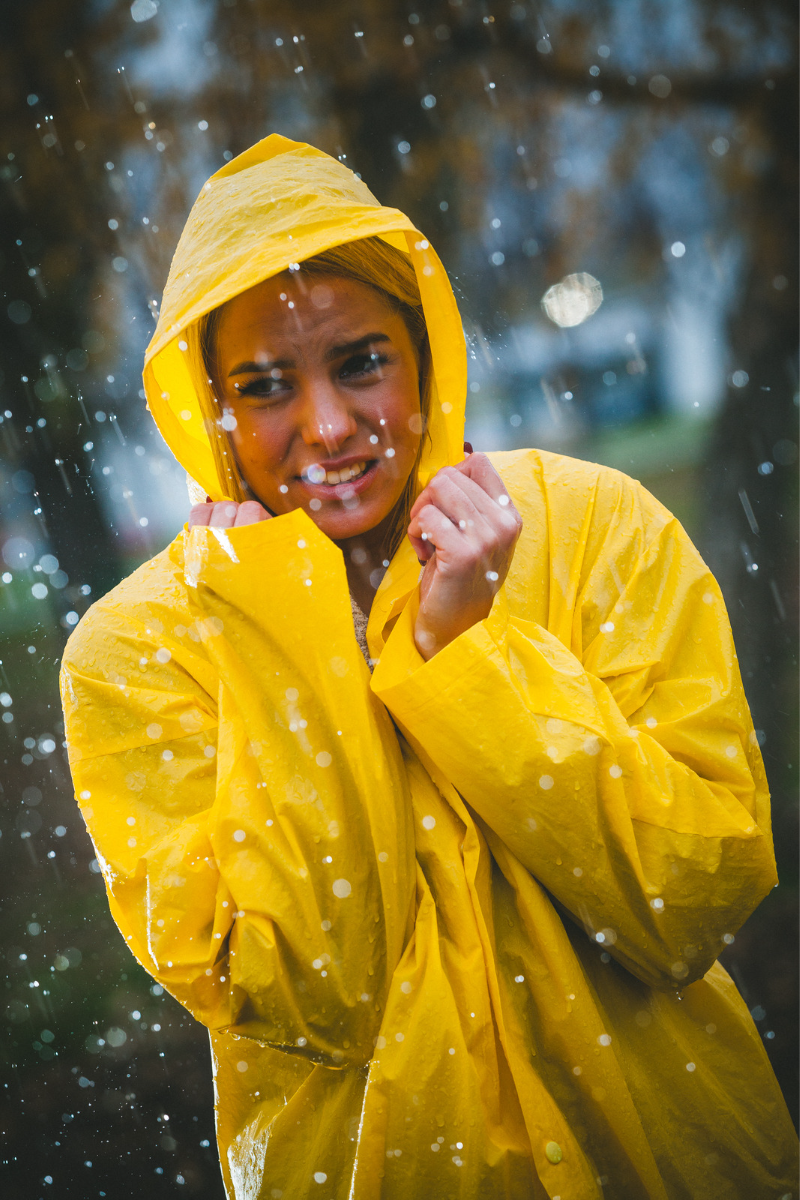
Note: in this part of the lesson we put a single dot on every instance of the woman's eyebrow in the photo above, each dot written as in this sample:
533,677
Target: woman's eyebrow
252,368
286,364
353,347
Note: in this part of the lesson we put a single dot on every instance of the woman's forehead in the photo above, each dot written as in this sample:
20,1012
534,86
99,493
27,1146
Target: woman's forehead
321,310
315,291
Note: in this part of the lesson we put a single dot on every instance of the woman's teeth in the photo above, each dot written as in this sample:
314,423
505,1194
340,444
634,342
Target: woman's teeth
317,474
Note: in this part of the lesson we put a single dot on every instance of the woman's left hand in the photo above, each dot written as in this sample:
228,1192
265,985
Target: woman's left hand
464,527
226,514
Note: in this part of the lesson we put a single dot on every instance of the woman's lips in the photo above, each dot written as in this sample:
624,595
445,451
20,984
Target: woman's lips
338,491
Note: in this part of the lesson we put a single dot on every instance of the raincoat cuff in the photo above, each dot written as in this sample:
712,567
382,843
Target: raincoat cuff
406,683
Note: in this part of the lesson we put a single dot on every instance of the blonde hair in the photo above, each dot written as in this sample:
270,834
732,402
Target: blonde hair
370,261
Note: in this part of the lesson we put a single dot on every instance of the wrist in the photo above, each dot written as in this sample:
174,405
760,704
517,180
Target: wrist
426,642
429,638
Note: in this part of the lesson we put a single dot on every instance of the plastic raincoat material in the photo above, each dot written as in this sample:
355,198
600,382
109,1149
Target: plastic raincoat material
452,927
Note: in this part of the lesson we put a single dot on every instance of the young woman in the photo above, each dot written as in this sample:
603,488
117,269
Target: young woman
424,780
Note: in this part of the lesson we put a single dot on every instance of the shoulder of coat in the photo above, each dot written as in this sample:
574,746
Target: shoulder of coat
587,508
573,484
521,466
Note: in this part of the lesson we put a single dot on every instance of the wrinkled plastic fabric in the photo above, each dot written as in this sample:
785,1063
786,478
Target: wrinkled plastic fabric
453,927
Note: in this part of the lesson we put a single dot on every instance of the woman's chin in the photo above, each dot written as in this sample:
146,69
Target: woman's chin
340,523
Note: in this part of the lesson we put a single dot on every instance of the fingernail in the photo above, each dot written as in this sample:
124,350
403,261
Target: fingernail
468,448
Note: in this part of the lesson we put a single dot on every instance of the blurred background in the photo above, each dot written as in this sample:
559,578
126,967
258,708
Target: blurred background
635,156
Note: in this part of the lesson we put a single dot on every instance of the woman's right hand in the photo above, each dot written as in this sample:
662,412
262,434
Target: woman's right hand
225,514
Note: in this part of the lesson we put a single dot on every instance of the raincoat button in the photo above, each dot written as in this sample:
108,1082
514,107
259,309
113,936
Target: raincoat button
554,1152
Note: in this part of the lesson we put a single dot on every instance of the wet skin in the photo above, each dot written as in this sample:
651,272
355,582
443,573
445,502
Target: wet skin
321,375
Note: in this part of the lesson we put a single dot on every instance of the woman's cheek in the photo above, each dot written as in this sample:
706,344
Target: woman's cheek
252,442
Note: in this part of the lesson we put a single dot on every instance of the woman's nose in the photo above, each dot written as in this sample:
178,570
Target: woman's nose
327,420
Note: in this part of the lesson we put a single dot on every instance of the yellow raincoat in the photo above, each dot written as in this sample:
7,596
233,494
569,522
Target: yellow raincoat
453,927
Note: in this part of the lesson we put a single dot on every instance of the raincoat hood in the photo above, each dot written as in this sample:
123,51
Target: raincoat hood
279,203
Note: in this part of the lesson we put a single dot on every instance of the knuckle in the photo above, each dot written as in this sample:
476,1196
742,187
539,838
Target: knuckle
443,481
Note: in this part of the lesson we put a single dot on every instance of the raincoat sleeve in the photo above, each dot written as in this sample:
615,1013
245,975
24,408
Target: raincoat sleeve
624,772
251,830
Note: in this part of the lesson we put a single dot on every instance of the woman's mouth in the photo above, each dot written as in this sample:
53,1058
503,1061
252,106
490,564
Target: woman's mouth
317,474
334,484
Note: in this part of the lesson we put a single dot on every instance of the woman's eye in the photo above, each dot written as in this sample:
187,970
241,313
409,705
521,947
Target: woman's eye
362,364
263,386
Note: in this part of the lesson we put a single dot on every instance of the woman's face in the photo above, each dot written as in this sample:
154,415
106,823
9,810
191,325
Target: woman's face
321,378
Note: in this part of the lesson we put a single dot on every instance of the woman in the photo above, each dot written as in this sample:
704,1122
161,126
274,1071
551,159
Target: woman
453,924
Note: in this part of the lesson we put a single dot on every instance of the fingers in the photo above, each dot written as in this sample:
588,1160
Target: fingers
478,468
479,471
497,510
423,549
462,502
200,514
432,532
225,514
461,497
250,512
481,526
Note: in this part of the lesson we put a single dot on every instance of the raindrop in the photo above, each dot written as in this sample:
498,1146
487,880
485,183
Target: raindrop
573,300
659,86
144,10
19,311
